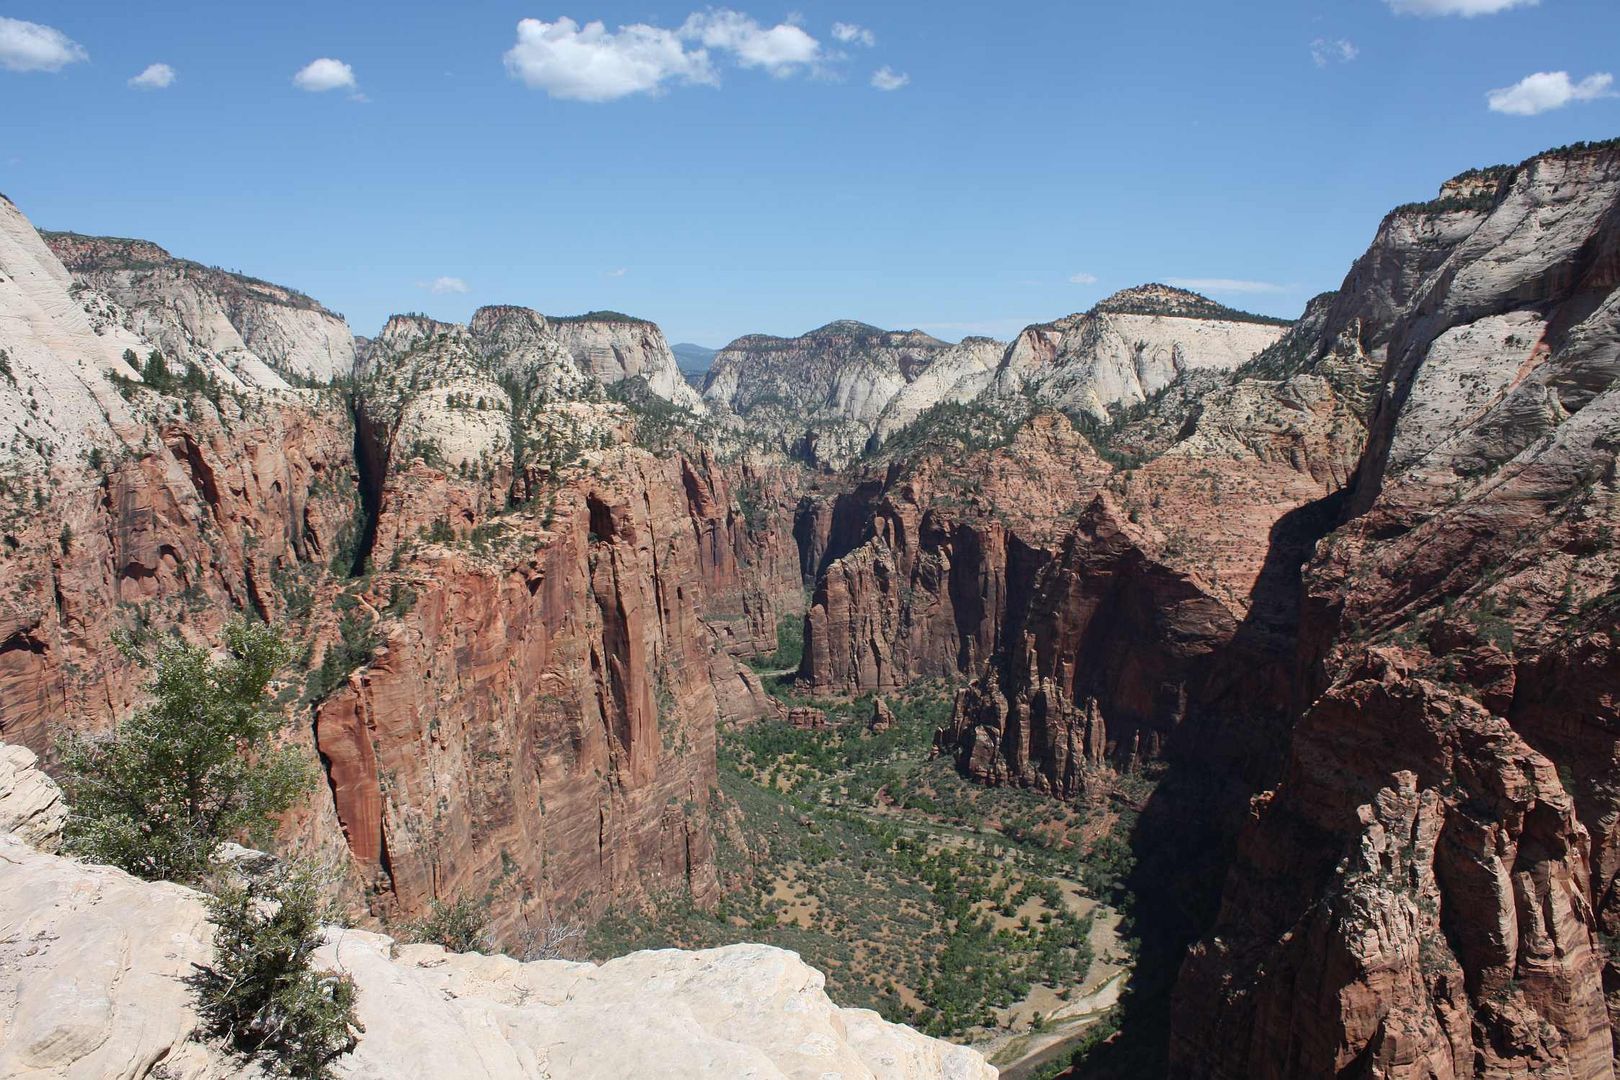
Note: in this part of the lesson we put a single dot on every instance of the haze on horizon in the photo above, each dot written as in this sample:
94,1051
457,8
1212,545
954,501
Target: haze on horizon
728,171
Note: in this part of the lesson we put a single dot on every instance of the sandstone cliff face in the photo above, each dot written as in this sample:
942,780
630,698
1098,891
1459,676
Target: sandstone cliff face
541,721
1426,891
1113,645
529,679
924,571
31,804
1424,888
612,347
258,330
95,966
822,396
140,508
55,399
1132,345
957,374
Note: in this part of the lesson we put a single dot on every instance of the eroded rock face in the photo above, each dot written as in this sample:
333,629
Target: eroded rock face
1105,624
258,330
541,721
612,347
529,608
31,805
1456,936
94,968
1129,347
1424,892
824,395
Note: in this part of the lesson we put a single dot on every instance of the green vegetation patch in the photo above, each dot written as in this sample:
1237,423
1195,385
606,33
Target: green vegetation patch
933,900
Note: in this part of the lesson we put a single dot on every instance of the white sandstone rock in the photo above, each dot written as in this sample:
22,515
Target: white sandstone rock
31,804
94,962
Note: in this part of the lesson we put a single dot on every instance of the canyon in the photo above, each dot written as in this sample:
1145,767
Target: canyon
1328,606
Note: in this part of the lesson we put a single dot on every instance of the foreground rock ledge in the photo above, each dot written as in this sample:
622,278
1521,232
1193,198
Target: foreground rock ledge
92,963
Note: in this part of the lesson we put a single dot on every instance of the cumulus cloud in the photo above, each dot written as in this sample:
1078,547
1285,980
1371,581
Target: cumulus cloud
1082,279
850,34
325,74
1325,51
1466,8
886,78
26,46
444,286
1227,285
781,49
592,63
1547,90
155,77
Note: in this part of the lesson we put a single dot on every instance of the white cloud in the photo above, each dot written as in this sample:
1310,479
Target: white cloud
155,77
1466,8
1547,90
1227,285
589,63
850,34
781,49
1082,279
324,74
620,272
593,63
443,286
886,78
1325,51
26,46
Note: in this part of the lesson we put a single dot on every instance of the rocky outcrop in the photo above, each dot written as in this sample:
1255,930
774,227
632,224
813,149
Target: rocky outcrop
259,331
1129,347
31,805
827,393
955,375
612,347
95,980
541,721
924,571
55,398
137,505
1113,646
1454,934
509,669
1426,890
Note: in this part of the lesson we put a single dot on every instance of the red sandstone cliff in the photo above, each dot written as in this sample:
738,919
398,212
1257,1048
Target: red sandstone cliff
528,623
1427,890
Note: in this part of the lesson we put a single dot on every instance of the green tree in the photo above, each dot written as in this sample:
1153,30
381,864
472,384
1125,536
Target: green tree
194,767
263,992
155,372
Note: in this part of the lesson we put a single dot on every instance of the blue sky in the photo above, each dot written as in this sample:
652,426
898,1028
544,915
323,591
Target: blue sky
725,171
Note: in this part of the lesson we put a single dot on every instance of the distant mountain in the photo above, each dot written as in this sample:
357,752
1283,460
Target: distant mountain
694,357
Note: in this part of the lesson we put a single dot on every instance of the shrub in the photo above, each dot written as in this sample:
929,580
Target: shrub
262,992
356,642
551,941
191,769
789,646
462,926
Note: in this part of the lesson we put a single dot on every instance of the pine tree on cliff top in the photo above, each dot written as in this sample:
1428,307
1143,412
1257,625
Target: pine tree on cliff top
194,767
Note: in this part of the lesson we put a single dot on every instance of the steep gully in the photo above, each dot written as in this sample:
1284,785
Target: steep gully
370,467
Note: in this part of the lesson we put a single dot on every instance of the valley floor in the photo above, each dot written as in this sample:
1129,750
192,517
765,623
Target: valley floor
989,916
